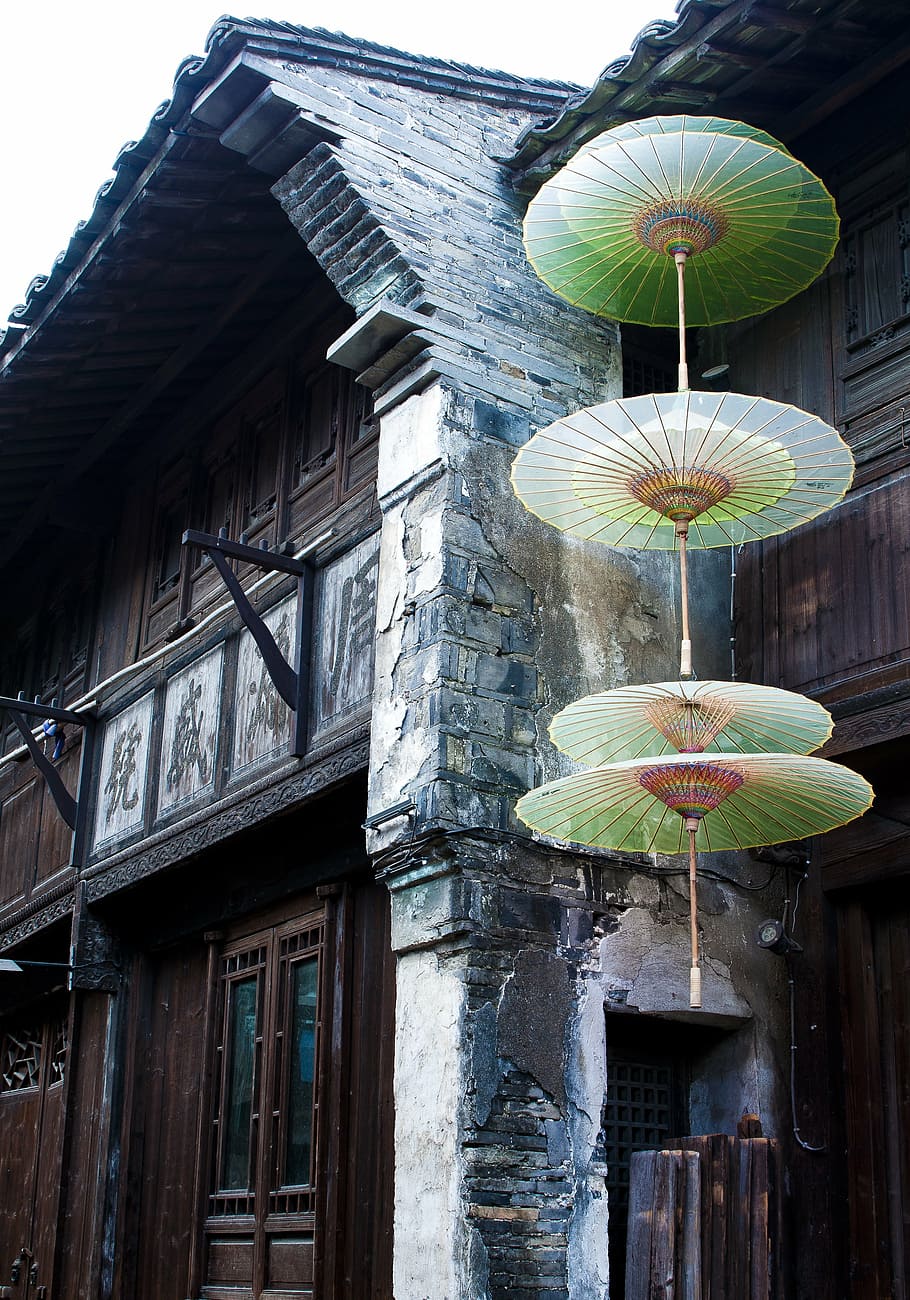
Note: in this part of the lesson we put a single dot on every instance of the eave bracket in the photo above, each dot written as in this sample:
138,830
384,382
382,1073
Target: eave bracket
72,810
290,681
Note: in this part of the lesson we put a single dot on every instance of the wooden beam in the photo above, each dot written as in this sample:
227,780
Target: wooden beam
836,95
784,20
94,252
179,360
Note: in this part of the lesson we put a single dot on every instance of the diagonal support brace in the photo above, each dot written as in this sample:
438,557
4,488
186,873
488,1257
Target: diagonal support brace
72,810
291,682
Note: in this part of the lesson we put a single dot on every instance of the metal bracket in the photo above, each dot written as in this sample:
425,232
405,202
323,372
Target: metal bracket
73,810
291,682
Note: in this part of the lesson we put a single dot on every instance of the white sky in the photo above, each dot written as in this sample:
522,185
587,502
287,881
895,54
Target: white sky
79,79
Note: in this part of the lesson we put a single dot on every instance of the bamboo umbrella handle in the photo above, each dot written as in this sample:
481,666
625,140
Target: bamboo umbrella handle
685,650
695,970
680,260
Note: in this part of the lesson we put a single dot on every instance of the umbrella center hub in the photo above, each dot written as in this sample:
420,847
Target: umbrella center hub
690,789
689,725
680,226
680,493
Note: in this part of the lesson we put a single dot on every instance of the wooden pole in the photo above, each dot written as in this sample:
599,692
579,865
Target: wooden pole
680,260
695,971
685,650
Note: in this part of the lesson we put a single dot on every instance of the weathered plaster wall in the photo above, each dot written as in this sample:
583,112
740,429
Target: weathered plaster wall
427,1128
488,622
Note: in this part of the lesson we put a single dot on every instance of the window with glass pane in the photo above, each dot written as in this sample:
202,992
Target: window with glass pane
238,1103
302,1073
265,1101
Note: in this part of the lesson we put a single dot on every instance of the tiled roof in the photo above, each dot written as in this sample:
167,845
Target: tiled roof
779,64
301,45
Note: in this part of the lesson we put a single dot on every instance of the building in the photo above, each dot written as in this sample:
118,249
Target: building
336,1026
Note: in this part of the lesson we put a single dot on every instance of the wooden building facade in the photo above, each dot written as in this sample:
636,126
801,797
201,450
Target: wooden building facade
283,1036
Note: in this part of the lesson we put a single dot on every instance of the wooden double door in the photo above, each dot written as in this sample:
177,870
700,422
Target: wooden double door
269,1111
33,1066
257,1133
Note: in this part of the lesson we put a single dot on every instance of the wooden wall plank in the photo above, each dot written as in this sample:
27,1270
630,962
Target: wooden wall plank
82,1234
869,1267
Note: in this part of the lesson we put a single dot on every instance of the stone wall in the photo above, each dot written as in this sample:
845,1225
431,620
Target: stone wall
510,953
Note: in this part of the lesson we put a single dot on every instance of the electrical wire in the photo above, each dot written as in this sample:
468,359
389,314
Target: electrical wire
791,997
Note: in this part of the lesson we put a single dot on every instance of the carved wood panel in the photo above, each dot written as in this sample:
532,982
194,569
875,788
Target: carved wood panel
261,717
121,777
344,636
189,739
219,722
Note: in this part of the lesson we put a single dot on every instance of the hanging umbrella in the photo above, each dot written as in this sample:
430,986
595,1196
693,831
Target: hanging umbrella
614,230
685,122
660,470
689,717
731,801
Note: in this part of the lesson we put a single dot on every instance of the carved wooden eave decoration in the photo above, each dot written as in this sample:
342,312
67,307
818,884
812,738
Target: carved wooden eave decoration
274,794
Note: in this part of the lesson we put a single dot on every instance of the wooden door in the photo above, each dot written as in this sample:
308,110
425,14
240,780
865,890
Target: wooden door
874,946
273,1036
32,1068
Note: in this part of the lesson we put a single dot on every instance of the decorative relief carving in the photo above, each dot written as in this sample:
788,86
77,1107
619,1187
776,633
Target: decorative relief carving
261,717
123,772
209,827
876,260
345,633
192,715
28,921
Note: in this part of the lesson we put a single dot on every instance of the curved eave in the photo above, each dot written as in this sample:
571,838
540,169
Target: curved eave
228,39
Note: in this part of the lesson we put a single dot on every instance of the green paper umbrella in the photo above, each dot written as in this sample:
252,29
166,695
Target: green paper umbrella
670,469
672,125
730,801
690,717
758,226
739,800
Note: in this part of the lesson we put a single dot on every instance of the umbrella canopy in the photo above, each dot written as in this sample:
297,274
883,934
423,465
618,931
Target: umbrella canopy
692,717
628,472
758,226
671,125
737,800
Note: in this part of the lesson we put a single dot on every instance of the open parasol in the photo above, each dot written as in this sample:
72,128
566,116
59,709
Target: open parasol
730,801
689,717
614,230
665,469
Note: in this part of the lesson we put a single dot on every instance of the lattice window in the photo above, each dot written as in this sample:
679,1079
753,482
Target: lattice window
645,1106
21,1058
649,361
639,1114
298,1027
877,275
57,1058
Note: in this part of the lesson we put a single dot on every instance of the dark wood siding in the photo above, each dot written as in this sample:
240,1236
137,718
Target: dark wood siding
35,842
81,1244
165,1154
